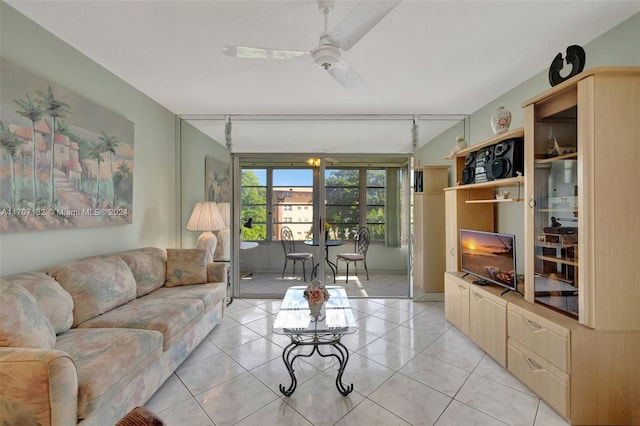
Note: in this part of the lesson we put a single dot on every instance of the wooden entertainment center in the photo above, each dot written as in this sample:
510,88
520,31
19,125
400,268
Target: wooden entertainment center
574,337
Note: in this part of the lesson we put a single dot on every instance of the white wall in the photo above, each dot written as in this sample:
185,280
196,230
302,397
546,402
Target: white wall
29,46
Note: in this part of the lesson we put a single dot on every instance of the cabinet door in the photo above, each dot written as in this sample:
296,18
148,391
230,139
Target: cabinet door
434,261
552,228
451,231
609,203
429,259
488,323
456,302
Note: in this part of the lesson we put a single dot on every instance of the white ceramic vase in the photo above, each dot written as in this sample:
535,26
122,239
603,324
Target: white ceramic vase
461,143
315,308
500,120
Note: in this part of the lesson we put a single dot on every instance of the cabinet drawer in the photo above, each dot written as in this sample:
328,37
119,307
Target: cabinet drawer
546,338
541,376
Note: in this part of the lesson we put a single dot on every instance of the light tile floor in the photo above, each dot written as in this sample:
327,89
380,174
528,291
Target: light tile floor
409,366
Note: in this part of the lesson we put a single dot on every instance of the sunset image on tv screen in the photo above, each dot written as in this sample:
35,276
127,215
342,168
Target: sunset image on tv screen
488,255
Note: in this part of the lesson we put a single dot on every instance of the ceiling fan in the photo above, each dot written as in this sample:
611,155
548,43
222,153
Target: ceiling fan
327,55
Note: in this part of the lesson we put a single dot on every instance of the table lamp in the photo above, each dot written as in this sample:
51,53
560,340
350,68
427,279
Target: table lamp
206,218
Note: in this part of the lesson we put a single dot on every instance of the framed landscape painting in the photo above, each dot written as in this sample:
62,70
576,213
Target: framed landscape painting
65,162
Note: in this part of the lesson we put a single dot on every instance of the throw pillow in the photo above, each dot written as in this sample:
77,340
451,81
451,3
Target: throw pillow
149,268
22,324
186,266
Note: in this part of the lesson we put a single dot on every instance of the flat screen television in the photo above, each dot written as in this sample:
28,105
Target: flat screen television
490,256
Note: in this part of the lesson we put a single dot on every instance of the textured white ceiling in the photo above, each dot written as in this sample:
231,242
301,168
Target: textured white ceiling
425,57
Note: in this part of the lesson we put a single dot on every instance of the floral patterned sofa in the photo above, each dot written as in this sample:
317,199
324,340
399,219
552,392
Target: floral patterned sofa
88,340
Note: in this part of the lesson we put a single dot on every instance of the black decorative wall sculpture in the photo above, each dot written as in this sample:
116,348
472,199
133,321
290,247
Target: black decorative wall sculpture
575,57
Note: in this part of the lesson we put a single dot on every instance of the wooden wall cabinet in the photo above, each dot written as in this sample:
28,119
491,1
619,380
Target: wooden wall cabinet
582,359
472,206
429,232
597,113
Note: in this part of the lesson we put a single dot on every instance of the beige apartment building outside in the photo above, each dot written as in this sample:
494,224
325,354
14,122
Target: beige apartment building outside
293,207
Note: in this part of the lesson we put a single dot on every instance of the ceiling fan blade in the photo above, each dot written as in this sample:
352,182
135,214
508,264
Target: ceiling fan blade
245,52
347,77
364,16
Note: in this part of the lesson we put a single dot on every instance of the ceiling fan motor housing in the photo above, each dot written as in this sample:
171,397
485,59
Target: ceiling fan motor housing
326,5
326,56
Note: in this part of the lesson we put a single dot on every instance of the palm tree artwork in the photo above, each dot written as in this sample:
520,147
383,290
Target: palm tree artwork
66,162
109,144
55,109
33,111
9,143
123,168
96,154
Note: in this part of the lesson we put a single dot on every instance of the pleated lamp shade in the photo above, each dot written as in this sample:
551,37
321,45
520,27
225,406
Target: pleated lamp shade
225,212
206,218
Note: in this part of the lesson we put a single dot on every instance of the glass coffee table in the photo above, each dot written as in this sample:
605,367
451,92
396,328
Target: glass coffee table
305,331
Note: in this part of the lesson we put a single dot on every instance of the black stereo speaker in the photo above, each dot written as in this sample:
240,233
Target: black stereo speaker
469,171
484,157
507,160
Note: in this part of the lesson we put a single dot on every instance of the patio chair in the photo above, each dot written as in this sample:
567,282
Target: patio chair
359,254
289,246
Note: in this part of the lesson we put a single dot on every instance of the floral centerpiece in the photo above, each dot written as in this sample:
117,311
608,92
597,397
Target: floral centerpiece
316,294
327,228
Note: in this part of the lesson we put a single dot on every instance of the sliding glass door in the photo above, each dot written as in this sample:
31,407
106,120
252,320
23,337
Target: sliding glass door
323,202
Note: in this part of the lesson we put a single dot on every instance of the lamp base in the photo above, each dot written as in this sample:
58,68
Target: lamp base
223,249
208,241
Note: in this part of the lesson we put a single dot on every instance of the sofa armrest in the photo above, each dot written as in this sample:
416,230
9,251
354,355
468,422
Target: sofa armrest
38,386
217,272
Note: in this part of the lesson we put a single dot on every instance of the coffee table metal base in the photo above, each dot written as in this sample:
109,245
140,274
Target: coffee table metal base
341,354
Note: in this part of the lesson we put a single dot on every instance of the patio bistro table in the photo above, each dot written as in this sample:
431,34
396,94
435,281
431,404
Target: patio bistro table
295,321
328,243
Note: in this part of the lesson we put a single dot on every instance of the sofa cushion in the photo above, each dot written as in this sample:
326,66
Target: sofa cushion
149,268
186,266
55,303
22,324
106,360
170,319
96,284
210,294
